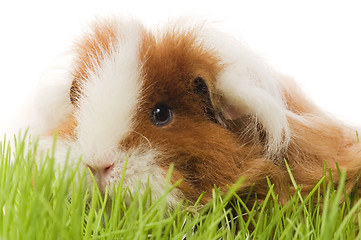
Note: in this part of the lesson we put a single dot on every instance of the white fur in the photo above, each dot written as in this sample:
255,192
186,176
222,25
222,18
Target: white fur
141,164
46,107
141,169
250,87
106,114
107,109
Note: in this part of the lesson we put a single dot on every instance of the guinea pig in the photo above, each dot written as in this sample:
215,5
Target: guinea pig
193,96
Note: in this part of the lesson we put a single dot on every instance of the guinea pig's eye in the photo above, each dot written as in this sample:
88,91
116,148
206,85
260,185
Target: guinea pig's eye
162,114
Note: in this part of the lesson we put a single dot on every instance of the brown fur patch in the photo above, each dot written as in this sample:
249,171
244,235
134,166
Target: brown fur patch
91,49
203,152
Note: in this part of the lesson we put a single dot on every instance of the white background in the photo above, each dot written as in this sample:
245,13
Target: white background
317,42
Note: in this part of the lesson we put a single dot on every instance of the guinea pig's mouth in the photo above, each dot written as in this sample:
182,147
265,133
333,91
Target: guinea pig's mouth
136,180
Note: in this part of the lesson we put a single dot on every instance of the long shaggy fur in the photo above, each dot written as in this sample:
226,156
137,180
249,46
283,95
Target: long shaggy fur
233,115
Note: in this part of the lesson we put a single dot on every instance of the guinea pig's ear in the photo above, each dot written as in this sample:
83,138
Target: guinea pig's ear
201,88
247,88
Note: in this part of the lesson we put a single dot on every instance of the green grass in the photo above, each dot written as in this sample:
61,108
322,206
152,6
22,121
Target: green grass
42,201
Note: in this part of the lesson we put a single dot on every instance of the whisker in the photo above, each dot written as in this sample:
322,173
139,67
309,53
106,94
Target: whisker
144,137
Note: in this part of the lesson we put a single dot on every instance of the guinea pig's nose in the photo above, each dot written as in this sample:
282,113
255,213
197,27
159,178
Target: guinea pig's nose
101,169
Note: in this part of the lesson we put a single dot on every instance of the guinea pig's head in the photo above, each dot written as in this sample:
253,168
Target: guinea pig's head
187,96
